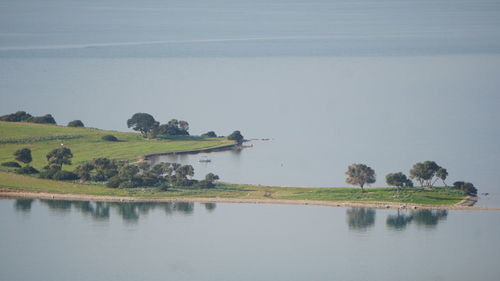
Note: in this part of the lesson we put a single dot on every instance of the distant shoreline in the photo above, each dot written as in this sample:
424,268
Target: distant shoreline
463,205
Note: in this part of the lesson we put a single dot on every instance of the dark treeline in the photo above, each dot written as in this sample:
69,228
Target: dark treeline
150,128
22,116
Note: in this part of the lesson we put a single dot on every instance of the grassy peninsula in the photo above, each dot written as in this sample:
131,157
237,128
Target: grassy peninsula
87,144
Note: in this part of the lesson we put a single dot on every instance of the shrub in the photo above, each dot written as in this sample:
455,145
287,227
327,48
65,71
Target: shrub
466,187
20,116
114,182
27,170
48,173
126,184
46,119
76,123
204,184
11,164
64,175
109,138
210,134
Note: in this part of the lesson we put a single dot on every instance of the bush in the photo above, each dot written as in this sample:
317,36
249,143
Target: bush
11,164
126,184
76,123
46,119
466,187
48,173
204,184
210,134
109,138
27,170
114,182
20,116
64,175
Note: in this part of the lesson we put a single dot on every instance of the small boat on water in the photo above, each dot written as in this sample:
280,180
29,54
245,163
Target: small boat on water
204,159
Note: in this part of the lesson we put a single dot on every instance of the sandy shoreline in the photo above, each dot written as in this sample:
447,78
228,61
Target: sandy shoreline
463,205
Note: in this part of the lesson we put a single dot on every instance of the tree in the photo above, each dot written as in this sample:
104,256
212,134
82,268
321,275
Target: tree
143,123
84,171
76,123
182,172
211,177
398,179
236,136
46,119
59,157
360,174
174,127
210,134
425,172
20,116
441,173
466,187
23,155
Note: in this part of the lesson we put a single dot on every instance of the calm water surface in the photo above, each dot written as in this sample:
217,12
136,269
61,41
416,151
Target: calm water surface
64,240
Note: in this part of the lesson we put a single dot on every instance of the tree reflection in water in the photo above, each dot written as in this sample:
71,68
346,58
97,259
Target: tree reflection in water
360,218
426,218
129,211
399,221
23,205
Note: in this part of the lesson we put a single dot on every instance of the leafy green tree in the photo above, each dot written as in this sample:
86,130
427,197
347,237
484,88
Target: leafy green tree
174,127
20,116
236,136
76,123
58,157
425,172
143,123
441,173
84,171
45,119
23,155
211,177
466,187
398,180
182,172
161,169
360,174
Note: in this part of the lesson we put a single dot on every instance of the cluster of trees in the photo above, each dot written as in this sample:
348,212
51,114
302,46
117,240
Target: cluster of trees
425,173
22,116
115,173
150,128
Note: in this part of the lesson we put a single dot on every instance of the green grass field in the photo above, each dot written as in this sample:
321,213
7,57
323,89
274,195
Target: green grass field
86,143
437,196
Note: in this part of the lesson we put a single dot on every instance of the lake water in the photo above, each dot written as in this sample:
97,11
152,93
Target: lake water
65,240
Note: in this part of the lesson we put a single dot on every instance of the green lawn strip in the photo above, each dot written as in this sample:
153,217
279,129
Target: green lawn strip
439,196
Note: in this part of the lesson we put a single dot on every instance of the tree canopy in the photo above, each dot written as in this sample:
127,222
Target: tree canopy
58,157
398,179
360,174
236,136
143,122
23,155
76,123
425,172
174,127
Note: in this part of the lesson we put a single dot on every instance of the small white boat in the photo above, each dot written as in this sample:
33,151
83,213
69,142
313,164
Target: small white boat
204,159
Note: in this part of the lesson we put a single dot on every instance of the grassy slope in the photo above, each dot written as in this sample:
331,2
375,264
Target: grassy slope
90,145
